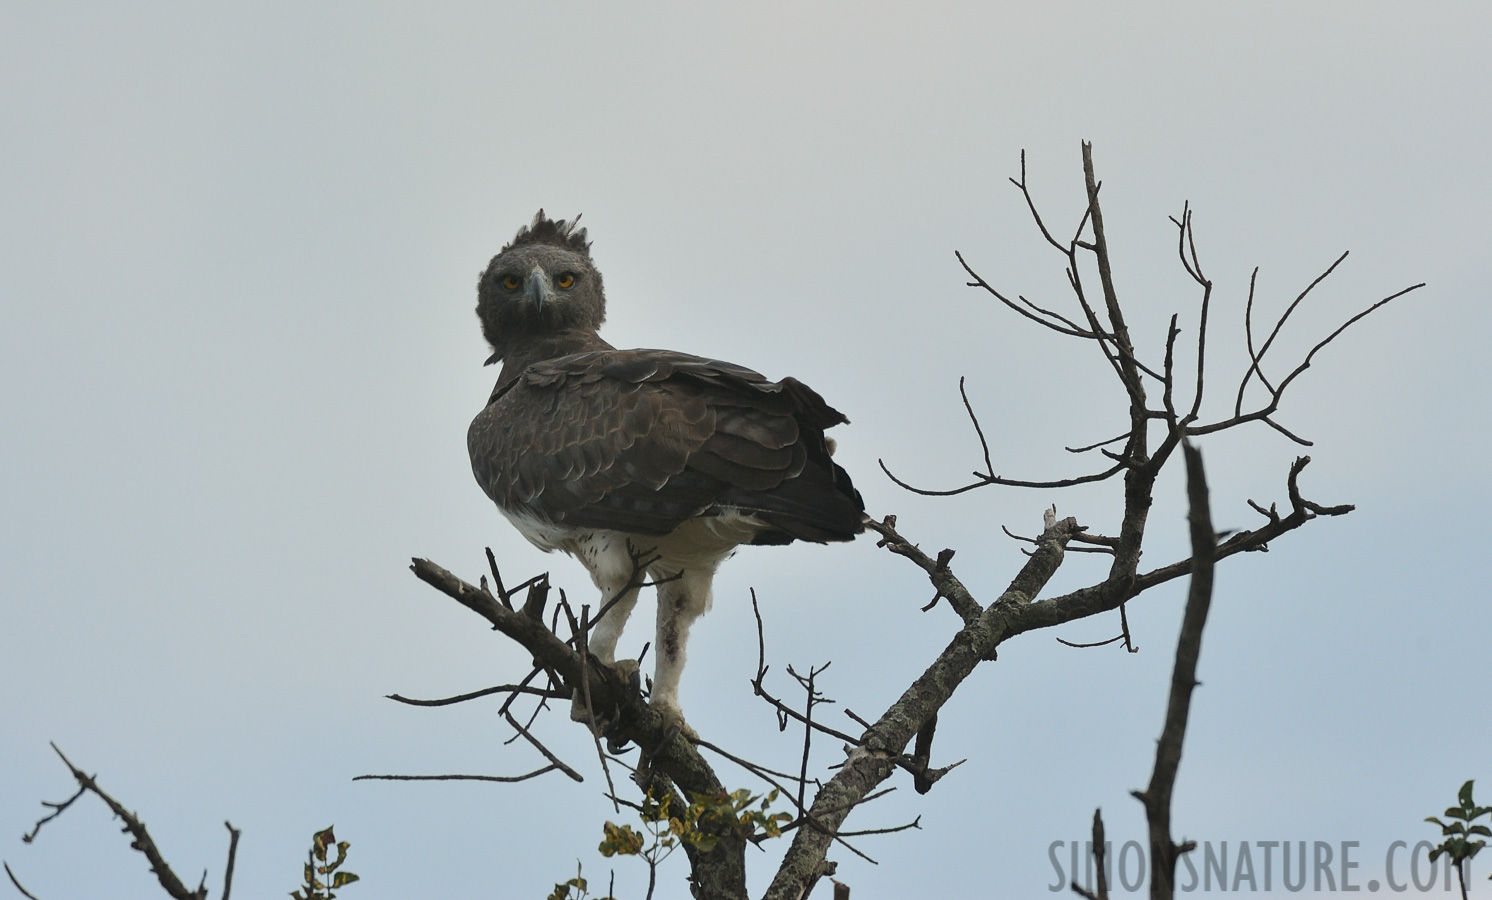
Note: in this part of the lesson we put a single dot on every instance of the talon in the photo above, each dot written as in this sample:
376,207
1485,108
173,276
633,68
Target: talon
674,724
625,669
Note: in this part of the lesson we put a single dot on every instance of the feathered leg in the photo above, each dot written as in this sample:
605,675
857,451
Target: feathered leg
610,562
611,565
682,598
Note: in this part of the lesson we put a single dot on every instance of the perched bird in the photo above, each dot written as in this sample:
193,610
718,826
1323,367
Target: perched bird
642,464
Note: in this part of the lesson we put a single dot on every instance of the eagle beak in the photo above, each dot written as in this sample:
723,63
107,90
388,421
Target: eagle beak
538,291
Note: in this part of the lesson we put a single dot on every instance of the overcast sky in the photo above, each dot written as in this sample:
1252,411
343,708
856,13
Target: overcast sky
238,358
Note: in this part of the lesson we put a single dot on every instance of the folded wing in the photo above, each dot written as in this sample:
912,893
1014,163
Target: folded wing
640,441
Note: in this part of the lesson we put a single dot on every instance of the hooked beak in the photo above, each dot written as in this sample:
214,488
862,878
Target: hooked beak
538,291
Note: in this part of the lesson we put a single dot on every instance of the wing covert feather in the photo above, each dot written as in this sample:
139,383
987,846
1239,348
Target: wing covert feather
642,440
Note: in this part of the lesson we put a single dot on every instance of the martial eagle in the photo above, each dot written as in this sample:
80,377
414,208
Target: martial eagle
621,457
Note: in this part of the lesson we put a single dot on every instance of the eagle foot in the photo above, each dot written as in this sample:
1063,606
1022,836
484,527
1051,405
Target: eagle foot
674,724
625,669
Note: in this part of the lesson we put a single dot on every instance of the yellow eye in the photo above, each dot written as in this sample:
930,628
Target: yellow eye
565,280
511,282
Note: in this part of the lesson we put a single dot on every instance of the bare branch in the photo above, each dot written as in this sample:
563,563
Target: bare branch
915,823
985,481
136,829
787,712
17,883
1035,214
1306,363
748,765
484,692
1098,855
989,467
1129,365
1189,234
1157,797
942,577
1112,440
1067,328
876,759
1275,332
505,779
1103,643
630,717
497,579
233,834
574,775
578,636
57,810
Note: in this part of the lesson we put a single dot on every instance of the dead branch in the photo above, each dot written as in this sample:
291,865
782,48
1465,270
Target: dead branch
720,871
15,881
233,834
140,837
574,775
1098,854
504,779
784,712
876,758
484,692
1157,797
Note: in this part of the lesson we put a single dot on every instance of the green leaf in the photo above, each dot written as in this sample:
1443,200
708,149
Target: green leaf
1465,794
342,879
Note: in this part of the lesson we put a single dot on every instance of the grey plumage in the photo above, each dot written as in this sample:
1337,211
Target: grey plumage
604,453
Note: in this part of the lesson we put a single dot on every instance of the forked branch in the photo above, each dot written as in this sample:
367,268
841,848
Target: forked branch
140,838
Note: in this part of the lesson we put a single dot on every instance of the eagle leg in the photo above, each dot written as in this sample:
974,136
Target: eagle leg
682,598
614,570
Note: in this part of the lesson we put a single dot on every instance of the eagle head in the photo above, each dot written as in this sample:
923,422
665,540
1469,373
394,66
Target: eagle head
541,284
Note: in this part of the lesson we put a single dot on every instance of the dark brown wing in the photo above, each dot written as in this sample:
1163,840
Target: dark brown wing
642,440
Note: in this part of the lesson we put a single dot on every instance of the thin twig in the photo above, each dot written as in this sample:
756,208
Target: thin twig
1112,440
505,779
979,282
57,810
1306,363
574,775
746,764
989,467
1104,643
484,692
17,883
583,649
784,711
985,481
915,823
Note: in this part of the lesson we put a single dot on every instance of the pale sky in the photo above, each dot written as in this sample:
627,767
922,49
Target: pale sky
238,358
